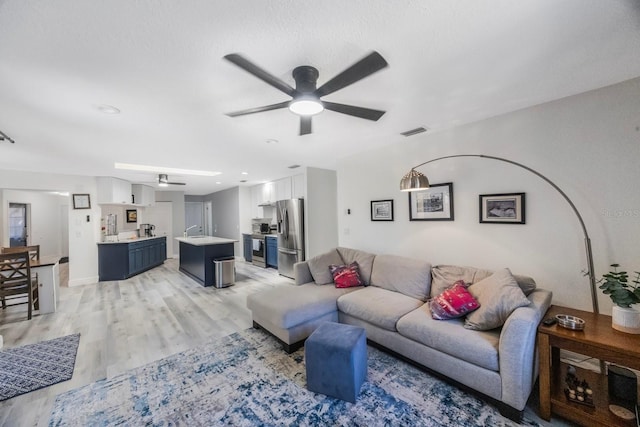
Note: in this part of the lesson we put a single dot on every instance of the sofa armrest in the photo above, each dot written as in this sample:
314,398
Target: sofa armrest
517,349
301,273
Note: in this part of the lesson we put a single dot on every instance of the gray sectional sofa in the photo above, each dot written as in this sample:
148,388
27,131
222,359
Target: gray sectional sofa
499,363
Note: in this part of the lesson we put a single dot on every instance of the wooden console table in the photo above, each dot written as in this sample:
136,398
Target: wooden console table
598,340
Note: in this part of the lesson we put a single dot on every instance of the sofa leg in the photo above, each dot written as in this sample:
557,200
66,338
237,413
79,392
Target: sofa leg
510,412
290,348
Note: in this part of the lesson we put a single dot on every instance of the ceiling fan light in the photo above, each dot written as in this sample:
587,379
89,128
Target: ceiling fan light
306,107
163,184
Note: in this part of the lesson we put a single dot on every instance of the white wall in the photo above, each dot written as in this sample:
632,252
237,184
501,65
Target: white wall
321,218
83,235
588,144
46,220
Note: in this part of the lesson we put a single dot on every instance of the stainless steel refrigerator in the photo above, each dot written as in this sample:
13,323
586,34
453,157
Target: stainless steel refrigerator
290,216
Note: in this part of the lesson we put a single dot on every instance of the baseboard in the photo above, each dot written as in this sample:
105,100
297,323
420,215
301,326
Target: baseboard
83,281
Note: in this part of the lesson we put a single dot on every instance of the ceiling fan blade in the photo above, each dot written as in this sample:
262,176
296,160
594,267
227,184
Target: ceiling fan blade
252,68
363,113
259,109
176,183
361,69
305,125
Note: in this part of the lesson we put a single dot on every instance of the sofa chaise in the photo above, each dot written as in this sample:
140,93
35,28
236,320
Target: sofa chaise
393,305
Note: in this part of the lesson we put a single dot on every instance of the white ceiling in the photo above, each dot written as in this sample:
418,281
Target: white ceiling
161,63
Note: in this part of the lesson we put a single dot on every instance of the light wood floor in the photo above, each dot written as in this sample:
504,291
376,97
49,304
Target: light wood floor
126,324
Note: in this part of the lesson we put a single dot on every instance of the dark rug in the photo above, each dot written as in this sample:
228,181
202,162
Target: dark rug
246,379
32,367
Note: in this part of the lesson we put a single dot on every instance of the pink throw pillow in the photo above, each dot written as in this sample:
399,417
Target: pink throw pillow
346,276
453,302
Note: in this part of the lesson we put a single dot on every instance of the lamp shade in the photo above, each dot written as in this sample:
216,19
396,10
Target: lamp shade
414,181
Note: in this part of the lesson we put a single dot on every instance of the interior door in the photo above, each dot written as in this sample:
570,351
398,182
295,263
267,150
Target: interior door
194,215
18,224
161,215
208,219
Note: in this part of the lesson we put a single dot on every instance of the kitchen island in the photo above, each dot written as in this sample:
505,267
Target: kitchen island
198,253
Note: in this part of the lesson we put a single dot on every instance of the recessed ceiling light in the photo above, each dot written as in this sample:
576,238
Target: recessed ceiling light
272,141
162,169
218,182
108,109
244,173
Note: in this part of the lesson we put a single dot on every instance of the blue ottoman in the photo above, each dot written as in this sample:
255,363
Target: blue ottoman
336,360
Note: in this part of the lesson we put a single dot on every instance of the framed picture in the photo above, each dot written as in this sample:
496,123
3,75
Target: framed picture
81,201
382,210
132,215
433,204
502,208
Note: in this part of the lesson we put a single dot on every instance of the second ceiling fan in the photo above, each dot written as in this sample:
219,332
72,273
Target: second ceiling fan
306,97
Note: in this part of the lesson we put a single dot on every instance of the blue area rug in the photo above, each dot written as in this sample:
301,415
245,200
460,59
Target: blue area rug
246,379
31,367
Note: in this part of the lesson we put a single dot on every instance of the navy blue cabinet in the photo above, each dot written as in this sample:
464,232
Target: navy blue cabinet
119,261
246,247
272,252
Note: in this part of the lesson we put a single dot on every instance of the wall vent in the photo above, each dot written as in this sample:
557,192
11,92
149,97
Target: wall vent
414,131
294,166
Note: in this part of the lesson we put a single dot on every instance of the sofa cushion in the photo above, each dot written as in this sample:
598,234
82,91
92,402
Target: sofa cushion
498,295
377,306
443,276
449,336
319,266
346,276
453,302
289,306
408,276
364,260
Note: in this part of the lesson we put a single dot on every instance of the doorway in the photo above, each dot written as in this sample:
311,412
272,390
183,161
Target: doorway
194,215
18,224
208,219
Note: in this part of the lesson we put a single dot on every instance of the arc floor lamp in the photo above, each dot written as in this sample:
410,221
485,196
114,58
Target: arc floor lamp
414,181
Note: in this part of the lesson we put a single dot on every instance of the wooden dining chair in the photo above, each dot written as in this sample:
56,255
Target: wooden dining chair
17,286
34,255
34,251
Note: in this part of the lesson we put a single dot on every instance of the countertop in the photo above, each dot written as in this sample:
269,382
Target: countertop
137,239
205,240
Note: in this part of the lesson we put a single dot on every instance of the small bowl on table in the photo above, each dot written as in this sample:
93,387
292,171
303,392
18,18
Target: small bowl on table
570,322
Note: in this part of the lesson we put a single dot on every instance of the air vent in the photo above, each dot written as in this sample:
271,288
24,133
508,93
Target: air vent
414,131
243,180
294,166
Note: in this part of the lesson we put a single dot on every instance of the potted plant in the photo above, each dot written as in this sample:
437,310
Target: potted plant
624,293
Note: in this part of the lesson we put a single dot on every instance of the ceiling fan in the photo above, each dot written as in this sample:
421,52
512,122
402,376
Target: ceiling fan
163,181
306,97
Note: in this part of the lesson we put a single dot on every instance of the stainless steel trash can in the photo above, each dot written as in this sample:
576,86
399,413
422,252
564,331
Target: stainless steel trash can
224,272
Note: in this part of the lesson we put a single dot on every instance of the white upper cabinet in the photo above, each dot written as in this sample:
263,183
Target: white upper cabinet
283,189
297,187
256,197
114,191
267,193
143,195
